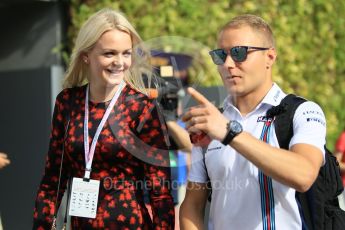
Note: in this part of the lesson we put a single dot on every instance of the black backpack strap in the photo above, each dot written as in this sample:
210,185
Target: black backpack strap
284,113
319,205
283,123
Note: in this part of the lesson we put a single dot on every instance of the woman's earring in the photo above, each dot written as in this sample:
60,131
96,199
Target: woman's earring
86,61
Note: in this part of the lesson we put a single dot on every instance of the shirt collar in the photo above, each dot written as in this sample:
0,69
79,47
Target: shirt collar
273,97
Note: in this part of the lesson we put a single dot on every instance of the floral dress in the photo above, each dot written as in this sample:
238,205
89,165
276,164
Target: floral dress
131,155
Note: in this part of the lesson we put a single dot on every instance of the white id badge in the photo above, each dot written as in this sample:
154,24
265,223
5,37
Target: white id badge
84,198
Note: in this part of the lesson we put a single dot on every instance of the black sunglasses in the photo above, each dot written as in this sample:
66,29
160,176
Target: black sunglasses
237,53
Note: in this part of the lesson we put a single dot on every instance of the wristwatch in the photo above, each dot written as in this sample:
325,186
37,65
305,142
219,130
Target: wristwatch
233,129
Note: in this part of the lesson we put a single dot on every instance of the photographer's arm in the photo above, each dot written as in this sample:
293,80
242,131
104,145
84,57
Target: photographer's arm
192,209
180,136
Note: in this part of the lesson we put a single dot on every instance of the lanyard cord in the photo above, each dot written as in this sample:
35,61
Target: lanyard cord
90,150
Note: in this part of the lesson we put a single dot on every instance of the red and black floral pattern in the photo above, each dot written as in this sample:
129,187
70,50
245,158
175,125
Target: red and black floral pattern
131,153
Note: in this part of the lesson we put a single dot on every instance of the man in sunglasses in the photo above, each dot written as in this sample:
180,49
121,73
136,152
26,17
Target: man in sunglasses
253,180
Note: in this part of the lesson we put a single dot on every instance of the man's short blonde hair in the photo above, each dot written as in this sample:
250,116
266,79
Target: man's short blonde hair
255,22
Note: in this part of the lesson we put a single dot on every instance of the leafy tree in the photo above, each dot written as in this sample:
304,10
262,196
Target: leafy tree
310,40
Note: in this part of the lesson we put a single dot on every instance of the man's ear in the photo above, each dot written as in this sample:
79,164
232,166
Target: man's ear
271,57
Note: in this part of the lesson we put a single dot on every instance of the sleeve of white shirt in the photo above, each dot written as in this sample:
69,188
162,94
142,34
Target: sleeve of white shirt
197,171
309,126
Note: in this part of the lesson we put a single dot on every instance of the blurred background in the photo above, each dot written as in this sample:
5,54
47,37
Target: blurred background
37,38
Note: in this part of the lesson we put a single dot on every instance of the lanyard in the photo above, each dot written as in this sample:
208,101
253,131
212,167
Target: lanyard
90,151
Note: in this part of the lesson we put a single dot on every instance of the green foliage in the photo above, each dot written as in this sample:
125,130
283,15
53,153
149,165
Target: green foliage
310,40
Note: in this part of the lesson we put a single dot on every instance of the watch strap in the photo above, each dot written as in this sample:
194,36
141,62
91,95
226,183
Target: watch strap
229,135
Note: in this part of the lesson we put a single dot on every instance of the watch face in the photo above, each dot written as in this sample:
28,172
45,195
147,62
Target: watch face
235,127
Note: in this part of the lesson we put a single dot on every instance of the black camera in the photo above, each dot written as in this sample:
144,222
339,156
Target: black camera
165,87
168,87
170,78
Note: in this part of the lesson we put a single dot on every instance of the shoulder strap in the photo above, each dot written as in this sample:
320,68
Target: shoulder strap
283,123
67,118
284,113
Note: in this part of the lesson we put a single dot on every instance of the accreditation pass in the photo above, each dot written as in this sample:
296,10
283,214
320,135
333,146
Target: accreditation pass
84,198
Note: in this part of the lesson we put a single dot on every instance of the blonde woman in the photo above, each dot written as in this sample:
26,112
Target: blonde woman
108,135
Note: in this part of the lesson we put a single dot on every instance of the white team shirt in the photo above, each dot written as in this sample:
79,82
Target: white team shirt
236,197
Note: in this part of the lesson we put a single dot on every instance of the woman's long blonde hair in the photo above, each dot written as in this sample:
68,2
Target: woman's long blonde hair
102,21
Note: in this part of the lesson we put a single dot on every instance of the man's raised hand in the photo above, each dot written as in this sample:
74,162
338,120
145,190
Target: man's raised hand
205,117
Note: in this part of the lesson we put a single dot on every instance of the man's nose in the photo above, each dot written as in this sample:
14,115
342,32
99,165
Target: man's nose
229,63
